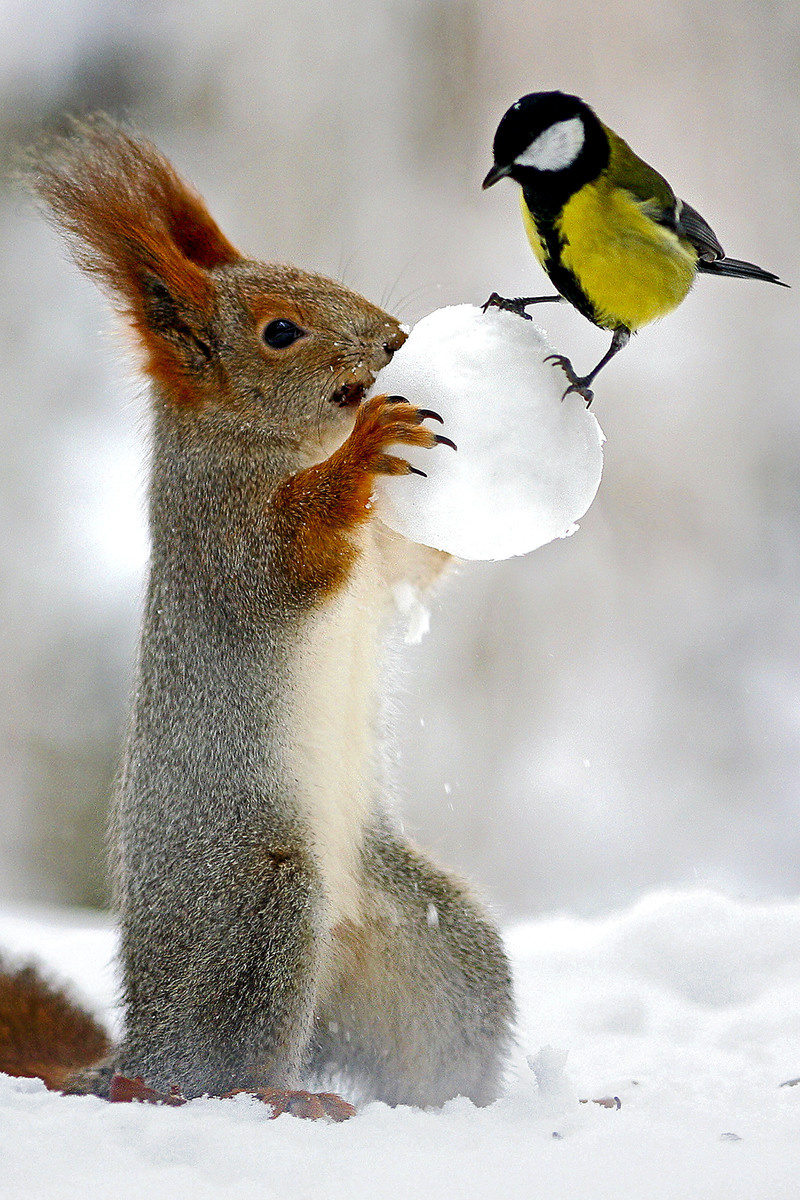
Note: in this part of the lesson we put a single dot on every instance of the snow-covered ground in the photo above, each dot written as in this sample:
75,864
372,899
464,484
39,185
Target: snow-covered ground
686,1007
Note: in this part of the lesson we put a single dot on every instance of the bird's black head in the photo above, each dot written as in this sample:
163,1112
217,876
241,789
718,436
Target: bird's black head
551,144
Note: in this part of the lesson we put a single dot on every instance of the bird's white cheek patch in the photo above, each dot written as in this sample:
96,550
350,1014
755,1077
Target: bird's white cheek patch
555,148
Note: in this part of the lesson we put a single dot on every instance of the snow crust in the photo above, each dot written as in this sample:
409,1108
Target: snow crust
527,467
685,1006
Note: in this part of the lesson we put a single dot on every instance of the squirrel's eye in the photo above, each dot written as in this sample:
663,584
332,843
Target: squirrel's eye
281,333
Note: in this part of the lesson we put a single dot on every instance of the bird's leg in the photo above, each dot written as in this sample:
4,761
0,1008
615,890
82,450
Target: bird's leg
581,383
518,305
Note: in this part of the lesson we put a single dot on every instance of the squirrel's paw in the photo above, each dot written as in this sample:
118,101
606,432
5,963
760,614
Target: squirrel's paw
384,421
90,1081
123,1090
312,1106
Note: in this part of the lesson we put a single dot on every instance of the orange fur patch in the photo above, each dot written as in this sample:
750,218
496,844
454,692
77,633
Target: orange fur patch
43,1033
318,509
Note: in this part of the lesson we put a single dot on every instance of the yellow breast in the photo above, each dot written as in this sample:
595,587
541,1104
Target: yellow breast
531,230
631,269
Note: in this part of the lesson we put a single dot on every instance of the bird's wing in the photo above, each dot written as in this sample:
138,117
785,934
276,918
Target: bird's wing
629,171
698,231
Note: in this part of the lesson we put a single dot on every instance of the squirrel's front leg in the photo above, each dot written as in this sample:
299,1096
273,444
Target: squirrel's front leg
316,511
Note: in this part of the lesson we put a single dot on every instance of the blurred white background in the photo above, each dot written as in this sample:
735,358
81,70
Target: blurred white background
617,711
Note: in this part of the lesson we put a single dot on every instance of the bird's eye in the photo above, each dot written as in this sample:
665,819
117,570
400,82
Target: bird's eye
281,333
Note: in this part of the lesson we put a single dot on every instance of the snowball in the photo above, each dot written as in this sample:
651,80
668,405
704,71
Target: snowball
527,466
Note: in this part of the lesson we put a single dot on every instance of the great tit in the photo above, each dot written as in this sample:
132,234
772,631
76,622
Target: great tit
610,232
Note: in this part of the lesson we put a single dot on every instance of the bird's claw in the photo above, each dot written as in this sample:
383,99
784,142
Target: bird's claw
577,384
502,302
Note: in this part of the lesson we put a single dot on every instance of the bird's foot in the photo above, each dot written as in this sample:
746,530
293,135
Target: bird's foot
519,304
577,383
516,306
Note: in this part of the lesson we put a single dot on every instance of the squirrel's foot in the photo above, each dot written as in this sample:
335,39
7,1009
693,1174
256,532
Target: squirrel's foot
383,421
311,1106
577,383
123,1090
90,1081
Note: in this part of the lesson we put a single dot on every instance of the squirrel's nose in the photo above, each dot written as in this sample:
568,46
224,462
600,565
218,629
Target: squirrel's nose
393,344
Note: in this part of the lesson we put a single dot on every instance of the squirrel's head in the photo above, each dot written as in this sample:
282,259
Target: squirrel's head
267,347
299,348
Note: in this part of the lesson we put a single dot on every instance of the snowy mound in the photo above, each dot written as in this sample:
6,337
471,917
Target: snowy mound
685,1006
527,467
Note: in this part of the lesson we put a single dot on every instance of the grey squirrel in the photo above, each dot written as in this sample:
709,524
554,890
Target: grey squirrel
276,926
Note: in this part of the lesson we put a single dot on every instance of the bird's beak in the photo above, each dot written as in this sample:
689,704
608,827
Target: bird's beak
496,173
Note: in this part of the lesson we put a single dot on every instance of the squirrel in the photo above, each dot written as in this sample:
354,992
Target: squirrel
276,926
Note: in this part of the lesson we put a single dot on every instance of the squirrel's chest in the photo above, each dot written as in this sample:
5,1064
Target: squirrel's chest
331,732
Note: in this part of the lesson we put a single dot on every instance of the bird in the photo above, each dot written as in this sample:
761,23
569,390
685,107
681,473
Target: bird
608,229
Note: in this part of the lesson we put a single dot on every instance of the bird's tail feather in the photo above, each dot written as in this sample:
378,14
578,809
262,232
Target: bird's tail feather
739,270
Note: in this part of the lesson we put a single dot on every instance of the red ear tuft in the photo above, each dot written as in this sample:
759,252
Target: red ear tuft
133,223
191,226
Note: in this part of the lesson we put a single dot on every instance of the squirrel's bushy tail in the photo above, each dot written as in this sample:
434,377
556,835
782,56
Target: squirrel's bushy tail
43,1033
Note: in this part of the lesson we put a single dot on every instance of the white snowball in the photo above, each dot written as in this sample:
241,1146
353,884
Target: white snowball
527,466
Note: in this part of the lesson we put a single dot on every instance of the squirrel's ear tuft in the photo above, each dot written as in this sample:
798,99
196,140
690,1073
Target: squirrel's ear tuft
133,224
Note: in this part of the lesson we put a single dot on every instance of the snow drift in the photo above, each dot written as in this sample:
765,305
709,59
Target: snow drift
686,1007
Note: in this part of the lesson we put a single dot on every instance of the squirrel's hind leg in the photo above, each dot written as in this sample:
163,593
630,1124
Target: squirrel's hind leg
422,1009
